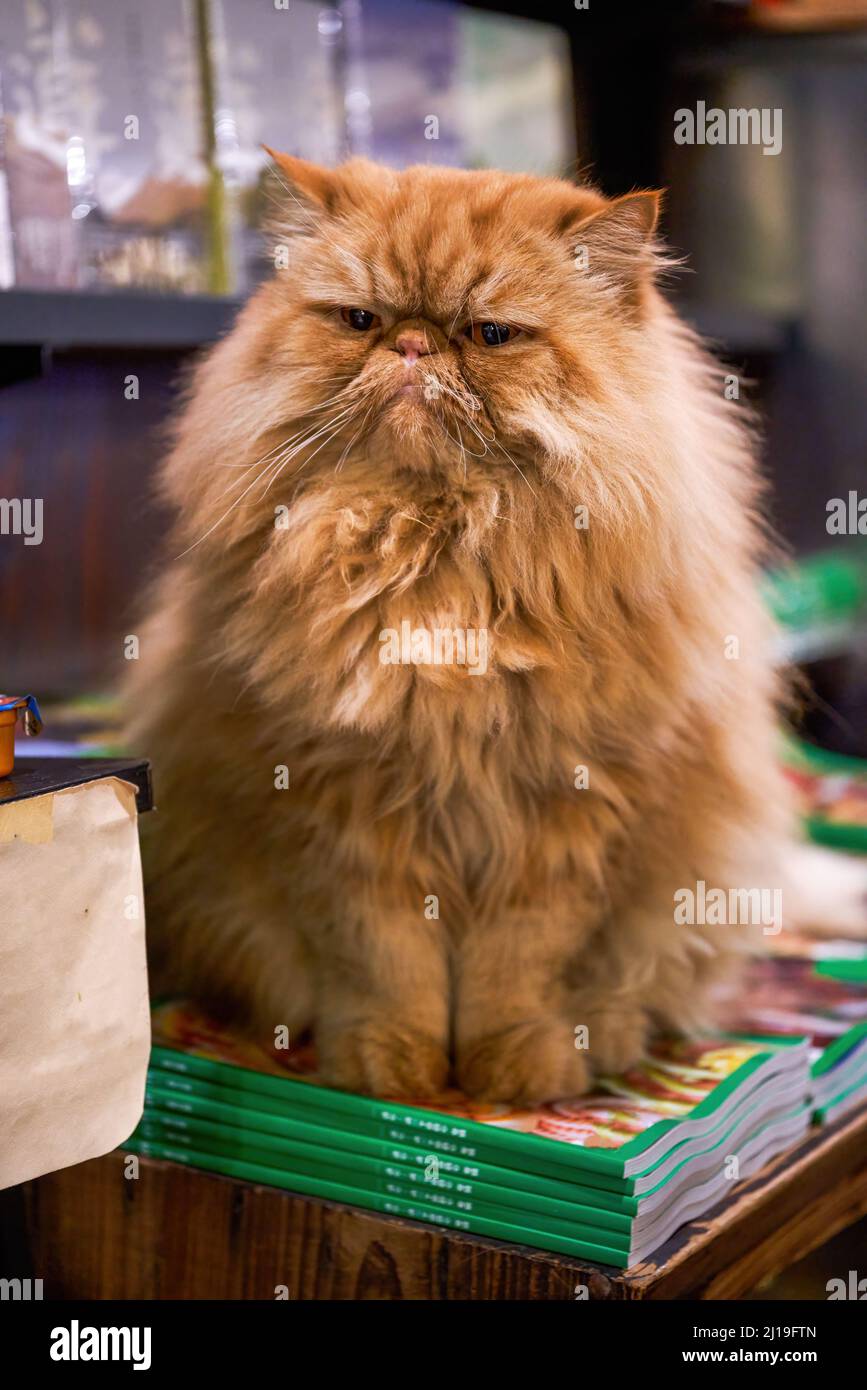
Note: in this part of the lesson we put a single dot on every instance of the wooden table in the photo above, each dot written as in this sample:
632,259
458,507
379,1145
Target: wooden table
178,1233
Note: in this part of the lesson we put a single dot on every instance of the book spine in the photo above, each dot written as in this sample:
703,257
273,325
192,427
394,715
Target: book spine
373,1201
426,1185
392,1146
462,1140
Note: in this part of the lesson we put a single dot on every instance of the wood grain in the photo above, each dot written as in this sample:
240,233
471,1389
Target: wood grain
178,1233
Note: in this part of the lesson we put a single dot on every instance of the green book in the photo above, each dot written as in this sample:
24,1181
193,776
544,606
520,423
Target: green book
616,1139
486,1209
396,1179
376,1201
186,1098
686,1164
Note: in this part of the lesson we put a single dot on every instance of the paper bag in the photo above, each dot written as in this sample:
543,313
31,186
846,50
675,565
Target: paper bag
74,1019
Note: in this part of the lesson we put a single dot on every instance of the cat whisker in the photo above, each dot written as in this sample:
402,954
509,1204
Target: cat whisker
337,422
220,519
359,431
482,439
263,462
469,401
280,464
515,465
347,447
277,448
303,465
334,425
478,434
464,450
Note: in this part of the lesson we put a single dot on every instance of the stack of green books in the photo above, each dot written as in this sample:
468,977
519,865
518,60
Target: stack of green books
607,1177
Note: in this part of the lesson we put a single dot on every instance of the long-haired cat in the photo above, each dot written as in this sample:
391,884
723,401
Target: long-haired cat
458,670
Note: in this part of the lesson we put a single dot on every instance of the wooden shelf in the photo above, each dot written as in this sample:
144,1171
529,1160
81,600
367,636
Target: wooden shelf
178,1233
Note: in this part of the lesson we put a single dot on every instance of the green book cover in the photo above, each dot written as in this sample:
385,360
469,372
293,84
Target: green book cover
215,1147
686,1166
202,1100
682,1089
831,791
773,1096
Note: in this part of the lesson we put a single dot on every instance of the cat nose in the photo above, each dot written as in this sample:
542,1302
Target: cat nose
412,344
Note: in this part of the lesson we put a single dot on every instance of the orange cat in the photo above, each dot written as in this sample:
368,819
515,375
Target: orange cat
462,673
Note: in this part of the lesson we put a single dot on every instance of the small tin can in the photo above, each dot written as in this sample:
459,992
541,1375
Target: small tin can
13,707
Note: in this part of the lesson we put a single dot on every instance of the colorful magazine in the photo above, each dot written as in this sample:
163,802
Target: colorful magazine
822,998
190,1102
831,793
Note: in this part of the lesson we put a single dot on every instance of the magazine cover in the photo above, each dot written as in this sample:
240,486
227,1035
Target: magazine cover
679,1092
825,1000
832,795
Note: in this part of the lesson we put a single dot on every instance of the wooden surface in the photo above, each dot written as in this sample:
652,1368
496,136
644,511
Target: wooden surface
178,1233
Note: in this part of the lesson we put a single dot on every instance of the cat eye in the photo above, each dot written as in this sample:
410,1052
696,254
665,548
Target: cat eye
360,319
491,334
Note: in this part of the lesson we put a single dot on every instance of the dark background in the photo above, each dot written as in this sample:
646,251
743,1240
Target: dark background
776,257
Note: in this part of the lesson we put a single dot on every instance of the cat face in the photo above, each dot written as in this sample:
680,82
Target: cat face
439,316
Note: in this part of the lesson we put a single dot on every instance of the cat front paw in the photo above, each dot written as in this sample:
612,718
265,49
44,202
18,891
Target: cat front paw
383,1057
616,1039
524,1064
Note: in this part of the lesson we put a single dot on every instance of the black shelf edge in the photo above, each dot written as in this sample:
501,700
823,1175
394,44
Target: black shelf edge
73,318
38,776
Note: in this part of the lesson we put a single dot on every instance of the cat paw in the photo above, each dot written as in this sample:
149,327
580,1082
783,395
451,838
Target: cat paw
383,1058
616,1040
523,1065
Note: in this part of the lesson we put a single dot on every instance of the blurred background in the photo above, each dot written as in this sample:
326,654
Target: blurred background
133,186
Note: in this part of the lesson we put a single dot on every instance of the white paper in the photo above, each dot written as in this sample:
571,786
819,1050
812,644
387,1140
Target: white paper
74,1015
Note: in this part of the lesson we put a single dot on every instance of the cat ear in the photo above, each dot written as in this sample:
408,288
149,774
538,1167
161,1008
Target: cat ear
309,186
617,239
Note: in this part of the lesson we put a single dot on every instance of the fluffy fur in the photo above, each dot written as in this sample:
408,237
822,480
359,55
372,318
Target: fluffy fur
315,509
